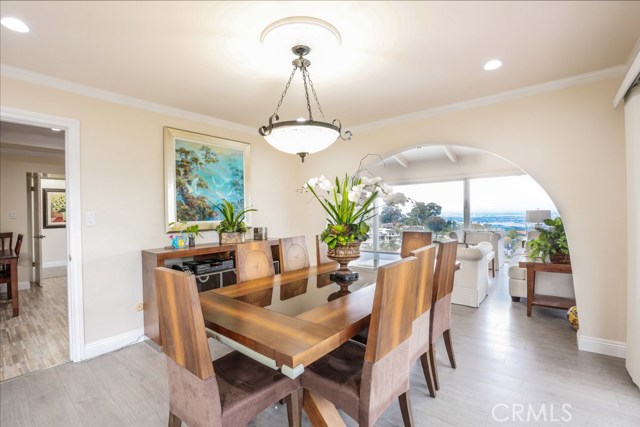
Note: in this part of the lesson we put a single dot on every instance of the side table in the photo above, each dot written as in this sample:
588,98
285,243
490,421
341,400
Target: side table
545,300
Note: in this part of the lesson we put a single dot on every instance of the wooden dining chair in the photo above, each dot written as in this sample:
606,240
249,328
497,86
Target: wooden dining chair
441,306
420,340
364,380
6,240
228,392
254,260
413,240
293,253
5,275
321,252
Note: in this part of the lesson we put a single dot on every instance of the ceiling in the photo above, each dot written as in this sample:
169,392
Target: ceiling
396,58
28,140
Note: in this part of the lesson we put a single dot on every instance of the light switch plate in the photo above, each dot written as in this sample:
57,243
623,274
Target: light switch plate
13,215
91,218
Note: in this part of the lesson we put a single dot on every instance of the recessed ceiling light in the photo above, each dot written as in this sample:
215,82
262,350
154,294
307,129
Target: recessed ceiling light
14,24
494,64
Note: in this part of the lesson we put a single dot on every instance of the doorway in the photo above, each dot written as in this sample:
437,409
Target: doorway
73,256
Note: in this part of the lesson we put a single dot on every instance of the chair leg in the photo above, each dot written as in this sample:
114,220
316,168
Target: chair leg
448,344
174,421
434,368
294,408
427,370
515,299
405,409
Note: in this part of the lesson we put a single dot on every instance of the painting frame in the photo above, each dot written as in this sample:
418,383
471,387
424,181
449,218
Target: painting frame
229,154
52,217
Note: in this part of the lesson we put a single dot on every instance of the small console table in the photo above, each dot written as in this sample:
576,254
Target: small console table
164,257
549,301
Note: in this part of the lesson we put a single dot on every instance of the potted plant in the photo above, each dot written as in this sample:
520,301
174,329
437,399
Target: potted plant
232,227
191,231
551,244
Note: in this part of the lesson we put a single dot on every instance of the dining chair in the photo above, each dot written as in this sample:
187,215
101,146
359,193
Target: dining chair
424,293
321,252
413,240
441,304
254,260
5,275
228,392
364,380
6,241
293,253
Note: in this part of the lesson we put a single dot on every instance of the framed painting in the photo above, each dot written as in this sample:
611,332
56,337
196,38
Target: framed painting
54,207
200,171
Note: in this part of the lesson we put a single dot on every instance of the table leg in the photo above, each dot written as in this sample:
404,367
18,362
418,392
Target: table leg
320,411
13,271
531,284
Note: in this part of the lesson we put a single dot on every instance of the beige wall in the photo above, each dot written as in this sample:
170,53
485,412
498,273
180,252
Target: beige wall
571,142
13,197
122,182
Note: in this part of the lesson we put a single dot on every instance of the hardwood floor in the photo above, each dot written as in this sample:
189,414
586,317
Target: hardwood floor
39,337
506,362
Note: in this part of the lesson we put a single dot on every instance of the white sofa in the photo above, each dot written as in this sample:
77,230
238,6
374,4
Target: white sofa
471,237
471,282
555,284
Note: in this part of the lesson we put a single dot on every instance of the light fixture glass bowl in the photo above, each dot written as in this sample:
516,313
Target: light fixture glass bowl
295,137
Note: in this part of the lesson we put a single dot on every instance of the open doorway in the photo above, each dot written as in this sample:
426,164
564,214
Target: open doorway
38,337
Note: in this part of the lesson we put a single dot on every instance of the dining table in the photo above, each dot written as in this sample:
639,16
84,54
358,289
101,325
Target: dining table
290,320
9,258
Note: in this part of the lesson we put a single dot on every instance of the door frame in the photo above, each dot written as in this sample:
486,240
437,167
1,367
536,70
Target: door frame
74,216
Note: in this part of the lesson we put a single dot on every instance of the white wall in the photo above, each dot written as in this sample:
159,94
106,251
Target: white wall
632,124
123,183
13,197
571,142
54,245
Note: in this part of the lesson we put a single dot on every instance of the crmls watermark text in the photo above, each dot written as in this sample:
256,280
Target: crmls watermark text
520,412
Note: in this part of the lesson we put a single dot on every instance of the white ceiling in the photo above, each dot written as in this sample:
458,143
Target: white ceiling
396,58
30,140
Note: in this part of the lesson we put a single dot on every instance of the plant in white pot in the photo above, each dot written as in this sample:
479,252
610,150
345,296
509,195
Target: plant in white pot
232,227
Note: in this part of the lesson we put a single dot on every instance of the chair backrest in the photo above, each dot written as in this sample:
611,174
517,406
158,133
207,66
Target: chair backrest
18,244
445,269
293,253
393,308
413,240
254,260
181,322
426,264
321,252
6,240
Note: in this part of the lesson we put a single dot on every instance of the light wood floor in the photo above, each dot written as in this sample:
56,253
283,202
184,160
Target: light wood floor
505,361
38,338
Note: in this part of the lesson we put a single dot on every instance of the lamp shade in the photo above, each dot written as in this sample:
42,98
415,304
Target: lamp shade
537,216
295,137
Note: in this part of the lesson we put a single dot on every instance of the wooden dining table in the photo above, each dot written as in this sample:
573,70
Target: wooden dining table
9,258
290,320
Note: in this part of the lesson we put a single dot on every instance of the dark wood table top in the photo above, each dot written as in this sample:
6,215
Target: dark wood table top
7,254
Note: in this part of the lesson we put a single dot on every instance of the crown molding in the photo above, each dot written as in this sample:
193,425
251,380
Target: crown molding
581,79
91,92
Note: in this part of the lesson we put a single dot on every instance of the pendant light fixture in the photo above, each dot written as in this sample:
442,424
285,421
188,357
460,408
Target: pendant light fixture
302,136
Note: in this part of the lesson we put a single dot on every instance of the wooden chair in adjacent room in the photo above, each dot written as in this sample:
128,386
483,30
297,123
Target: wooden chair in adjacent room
254,260
420,338
441,306
228,392
413,240
293,253
5,275
364,380
6,242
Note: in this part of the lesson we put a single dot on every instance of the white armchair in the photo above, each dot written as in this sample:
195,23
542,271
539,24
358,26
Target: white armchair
471,282
470,237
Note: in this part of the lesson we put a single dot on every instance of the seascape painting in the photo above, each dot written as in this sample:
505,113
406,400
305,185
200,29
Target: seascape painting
203,171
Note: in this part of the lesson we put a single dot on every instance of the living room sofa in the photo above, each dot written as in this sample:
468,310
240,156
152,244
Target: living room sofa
471,282
471,237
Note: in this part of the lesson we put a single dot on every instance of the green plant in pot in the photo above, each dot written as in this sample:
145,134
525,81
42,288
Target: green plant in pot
192,231
551,245
232,227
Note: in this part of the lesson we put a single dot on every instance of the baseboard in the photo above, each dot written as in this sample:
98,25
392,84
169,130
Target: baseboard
107,345
51,264
21,286
602,346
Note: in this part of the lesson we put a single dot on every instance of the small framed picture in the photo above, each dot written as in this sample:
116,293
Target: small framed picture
54,206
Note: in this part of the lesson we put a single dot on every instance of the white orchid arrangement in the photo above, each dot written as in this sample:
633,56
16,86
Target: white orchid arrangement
349,204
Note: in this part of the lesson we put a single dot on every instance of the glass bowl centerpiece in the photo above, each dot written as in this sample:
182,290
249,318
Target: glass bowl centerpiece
349,203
